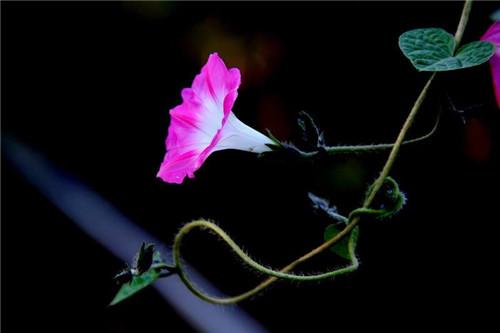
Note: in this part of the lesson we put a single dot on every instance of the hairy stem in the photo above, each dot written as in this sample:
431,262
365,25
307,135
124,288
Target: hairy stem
252,263
381,146
397,145
369,148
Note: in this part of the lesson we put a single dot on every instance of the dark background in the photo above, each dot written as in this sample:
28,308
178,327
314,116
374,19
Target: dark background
90,85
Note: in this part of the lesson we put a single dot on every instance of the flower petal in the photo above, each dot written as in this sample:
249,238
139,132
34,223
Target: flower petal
196,123
495,73
175,169
493,35
214,83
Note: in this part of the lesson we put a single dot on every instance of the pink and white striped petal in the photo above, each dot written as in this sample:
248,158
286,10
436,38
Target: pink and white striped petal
204,123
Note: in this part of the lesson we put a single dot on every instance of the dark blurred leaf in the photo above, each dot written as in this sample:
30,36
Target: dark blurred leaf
323,205
311,134
495,16
320,203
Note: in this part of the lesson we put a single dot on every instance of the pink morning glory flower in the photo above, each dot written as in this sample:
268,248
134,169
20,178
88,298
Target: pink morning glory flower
493,35
205,123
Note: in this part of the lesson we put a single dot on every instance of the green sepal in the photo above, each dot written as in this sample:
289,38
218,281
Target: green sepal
144,258
273,139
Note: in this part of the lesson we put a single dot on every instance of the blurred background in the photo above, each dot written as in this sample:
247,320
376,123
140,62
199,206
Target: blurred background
89,85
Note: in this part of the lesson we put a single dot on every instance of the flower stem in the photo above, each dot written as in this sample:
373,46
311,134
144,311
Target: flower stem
367,148
381,146
346,231
274,273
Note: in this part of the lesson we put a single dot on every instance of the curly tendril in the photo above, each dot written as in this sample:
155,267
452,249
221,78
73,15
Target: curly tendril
181,271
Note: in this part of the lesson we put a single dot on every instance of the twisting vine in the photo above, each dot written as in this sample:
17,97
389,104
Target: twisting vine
349,224
397,196
277,274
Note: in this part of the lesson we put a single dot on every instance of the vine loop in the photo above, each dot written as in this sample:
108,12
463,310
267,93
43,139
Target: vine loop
181,270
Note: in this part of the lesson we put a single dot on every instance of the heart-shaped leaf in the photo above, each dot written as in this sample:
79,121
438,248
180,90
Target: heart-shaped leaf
341,247
432,49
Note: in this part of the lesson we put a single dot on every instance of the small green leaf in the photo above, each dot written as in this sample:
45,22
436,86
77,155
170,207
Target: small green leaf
138,283
341,247
432,49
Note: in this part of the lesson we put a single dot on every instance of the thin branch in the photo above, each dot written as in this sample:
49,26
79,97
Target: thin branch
252,263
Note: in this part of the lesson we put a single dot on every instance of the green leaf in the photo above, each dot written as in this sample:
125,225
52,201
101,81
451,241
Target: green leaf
138,283
432,49
341,247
